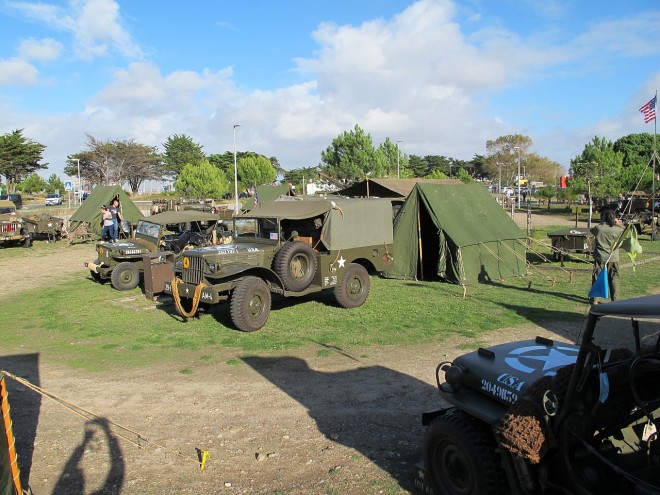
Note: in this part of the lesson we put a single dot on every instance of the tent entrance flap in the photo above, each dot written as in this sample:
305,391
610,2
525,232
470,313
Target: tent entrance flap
428,237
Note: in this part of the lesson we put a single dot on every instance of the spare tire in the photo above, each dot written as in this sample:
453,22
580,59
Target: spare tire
295,263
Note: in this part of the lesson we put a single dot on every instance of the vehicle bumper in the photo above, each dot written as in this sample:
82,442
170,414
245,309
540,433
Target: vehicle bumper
209,295
98,268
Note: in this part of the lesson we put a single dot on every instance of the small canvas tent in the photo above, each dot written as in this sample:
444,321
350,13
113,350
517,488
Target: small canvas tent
90,210
456,233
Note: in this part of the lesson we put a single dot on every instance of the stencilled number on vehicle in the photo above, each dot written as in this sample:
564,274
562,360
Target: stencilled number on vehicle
498,391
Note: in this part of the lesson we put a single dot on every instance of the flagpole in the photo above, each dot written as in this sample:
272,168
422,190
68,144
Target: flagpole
655,157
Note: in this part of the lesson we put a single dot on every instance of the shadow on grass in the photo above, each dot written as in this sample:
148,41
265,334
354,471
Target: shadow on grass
532,289
25,407
373,410
569,329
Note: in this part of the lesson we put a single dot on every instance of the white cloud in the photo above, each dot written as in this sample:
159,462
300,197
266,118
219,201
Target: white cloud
95,25
416,77
17,72
44,50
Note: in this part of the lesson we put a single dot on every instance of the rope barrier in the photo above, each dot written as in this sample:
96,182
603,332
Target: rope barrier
88,415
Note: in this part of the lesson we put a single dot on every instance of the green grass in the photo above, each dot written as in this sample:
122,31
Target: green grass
94,327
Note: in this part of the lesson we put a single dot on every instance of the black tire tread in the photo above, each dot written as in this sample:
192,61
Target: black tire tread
478,439
282,263
342,295
240,299
115,276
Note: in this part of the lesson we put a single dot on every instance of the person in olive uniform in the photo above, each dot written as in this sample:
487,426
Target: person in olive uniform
606,234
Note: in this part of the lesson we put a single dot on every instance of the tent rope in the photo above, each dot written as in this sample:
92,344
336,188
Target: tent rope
89,415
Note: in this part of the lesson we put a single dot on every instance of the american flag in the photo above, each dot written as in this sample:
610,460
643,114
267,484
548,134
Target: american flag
649,110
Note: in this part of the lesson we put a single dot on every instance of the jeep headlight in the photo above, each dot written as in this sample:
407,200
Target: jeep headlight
212,267
178,265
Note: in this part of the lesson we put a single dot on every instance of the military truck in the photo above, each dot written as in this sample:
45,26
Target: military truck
542,416
122,262
12,231
293,247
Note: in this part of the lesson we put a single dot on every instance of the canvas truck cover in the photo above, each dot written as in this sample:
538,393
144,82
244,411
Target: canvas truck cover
347,223
171,217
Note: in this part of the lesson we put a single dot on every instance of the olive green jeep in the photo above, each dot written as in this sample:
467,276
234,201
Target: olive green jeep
292,247
12,230
122,262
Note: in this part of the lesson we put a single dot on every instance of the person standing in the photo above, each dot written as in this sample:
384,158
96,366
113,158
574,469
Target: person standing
606,234
115,210
106,221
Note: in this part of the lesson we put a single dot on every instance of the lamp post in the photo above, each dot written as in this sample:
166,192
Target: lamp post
518,148
499,185
235,173
79,196
397,158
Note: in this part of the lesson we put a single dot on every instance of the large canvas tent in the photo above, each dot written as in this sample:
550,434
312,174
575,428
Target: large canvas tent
90,210
456,233
389,188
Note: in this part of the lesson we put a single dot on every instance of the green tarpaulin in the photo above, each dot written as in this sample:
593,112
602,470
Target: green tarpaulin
90,210
347,223
456,233
268,192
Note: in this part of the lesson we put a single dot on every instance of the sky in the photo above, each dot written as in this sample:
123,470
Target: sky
440,77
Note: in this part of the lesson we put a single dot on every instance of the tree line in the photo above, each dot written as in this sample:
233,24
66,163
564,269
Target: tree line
604,167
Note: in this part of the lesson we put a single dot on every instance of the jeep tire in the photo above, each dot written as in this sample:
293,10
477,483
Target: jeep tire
125,276
461,456
295,263
250,304
353,289
27,238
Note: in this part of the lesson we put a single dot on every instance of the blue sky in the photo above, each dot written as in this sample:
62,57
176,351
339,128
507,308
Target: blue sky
441,76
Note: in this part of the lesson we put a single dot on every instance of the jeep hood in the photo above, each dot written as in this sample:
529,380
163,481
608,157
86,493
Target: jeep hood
228,249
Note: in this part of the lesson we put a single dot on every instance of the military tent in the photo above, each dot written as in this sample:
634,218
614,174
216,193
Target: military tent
389,188
269,192
90,209
456,233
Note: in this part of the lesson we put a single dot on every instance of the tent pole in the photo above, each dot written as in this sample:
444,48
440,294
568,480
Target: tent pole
419,240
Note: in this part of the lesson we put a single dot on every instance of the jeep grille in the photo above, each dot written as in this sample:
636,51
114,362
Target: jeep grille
8,227
194,274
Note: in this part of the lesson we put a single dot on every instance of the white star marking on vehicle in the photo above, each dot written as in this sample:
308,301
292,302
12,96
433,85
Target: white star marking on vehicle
187,290
552,358
341,262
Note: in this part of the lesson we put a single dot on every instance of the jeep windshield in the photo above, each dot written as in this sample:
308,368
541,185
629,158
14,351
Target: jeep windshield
250,229
149,229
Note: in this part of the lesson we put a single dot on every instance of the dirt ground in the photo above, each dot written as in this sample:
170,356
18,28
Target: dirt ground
292,423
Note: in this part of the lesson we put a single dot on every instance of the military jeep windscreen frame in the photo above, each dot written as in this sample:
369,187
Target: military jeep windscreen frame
250,229
148,231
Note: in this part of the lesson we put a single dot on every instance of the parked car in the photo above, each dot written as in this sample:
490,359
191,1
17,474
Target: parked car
53,200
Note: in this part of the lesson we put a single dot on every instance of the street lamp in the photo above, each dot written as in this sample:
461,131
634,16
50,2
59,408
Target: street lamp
499,184
397,158
235,174
518,148
79,197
